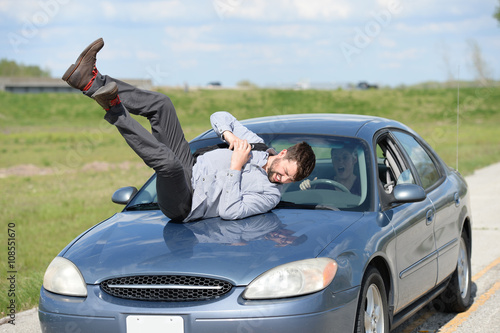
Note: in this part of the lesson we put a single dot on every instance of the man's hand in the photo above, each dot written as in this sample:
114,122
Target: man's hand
241,150
241,153
230,138
306,184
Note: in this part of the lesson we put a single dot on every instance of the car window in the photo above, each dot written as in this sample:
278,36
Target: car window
425,166
147,193
340,179
392,168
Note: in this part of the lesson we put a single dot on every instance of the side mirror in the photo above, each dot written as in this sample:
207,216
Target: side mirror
404,193
123,195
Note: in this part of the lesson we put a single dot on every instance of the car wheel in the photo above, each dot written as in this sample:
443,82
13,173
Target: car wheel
457,296
372,314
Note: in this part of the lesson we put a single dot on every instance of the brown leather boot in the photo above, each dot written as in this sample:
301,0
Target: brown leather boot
82,73
107,96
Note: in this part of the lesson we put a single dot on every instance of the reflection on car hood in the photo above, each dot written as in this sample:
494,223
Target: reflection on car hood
138,243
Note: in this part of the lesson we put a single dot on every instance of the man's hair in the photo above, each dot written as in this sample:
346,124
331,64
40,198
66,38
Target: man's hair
303,154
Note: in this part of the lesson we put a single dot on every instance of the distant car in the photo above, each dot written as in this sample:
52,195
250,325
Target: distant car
365,86
214,84
328,258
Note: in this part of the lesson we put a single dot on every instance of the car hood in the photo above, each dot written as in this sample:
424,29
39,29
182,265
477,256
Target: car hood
139,243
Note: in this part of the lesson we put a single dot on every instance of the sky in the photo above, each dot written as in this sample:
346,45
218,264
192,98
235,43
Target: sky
267,42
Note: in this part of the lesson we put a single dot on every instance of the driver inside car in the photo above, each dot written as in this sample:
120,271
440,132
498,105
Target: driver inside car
344,161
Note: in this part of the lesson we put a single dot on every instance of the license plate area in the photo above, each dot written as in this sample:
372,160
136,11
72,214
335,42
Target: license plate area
155,324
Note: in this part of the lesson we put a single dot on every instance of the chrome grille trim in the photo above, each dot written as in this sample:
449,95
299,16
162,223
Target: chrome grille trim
161,286
166,288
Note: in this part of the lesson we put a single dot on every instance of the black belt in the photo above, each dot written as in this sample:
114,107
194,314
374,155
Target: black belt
224,145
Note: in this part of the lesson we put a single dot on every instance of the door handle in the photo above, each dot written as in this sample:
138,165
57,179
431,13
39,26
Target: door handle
429,217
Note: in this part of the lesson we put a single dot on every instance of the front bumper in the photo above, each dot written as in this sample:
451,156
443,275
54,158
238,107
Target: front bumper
99,312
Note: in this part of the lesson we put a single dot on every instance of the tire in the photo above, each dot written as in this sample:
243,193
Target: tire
457,295
372,314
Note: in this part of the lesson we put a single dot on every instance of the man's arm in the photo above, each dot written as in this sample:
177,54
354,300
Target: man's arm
228,128
237,204
234,202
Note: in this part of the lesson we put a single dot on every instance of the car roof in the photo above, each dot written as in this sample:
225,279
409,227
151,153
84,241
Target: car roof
319,123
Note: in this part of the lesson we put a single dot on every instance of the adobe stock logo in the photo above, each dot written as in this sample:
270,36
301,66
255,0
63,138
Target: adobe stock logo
363,37
225,8
32,25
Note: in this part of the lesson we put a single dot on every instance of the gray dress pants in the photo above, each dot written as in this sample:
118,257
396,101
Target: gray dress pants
164,149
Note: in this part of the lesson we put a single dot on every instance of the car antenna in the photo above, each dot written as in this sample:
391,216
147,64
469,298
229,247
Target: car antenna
458,109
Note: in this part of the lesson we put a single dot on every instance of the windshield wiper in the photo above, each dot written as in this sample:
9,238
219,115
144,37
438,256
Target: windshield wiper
144,206
292,205
326,207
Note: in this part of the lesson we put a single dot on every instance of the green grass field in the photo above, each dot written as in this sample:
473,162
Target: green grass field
73,160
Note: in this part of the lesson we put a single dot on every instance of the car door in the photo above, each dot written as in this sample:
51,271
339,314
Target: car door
416,256
445,197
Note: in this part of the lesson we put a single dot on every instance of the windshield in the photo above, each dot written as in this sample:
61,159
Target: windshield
340,180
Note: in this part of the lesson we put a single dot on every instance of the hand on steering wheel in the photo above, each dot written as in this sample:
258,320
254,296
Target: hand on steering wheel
306,184
330,182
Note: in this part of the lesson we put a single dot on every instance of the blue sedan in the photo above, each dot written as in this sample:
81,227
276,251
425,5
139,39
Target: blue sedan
381,228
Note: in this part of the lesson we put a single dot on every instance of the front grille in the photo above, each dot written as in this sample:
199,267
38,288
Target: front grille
171,288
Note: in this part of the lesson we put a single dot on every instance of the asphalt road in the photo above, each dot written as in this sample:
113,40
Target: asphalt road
483,316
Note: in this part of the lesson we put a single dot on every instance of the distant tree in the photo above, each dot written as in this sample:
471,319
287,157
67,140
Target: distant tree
497,12
479,64
12,68
246,84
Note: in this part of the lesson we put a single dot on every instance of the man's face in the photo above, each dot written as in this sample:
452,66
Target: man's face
282,171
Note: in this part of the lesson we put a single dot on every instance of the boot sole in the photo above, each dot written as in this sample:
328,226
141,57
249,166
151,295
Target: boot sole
78,61
110,88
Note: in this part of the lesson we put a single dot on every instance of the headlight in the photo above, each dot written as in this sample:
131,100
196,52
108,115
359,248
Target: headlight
63,277
293,279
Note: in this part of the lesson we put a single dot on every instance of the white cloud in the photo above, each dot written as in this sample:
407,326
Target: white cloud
429,27
406,54
322,9
188,63
109,9
4,5
19,11
147,55
191,39
387,42
391,65
443,8
291,31
266,55
192,46
465,26
188,34
147,11
286,10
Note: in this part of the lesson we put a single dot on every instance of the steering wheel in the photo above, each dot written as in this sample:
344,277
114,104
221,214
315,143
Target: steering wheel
331,183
